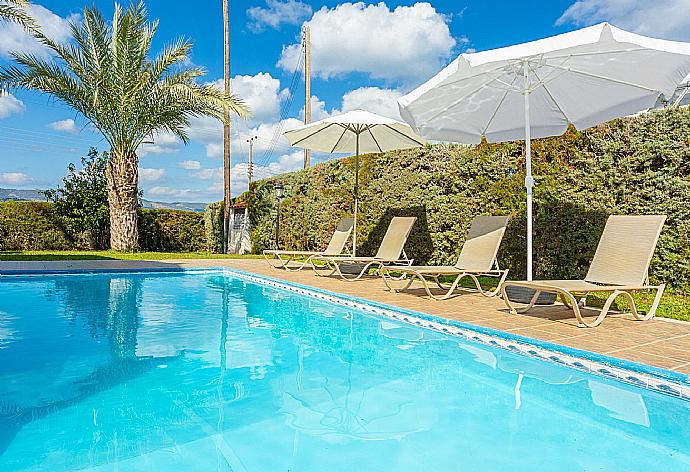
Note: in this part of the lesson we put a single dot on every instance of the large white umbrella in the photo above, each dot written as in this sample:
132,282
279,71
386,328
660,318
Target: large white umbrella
537,89
358,132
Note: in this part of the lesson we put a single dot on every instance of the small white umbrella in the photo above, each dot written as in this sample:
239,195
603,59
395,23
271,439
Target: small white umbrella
537,89
355,131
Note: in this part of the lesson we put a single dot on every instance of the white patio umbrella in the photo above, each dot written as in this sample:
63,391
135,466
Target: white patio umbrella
537,89
358,132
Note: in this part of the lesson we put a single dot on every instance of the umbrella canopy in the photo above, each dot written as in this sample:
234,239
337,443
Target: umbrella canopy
357,132
537,89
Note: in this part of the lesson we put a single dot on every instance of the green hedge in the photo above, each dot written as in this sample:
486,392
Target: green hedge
630,166
171,231
34,226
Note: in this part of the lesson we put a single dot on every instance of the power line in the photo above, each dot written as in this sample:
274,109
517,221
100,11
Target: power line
287,106
34,134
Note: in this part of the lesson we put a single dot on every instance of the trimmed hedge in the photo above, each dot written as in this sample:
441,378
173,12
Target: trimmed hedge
635,165
171,231
35,226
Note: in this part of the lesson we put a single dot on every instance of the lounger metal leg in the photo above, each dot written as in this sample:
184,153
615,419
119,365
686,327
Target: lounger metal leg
278,262
509,304
299,267
327,265
361,274
655,304
387,278
494,292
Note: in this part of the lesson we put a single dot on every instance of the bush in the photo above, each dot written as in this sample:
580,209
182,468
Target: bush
34,226
171,231
82,200
635,165
213,226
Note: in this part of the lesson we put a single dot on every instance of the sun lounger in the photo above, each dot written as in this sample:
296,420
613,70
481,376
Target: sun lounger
282,259
390,252
477,258
620,267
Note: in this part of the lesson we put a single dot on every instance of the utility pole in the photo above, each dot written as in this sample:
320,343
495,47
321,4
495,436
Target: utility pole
227,162
250,167
307,88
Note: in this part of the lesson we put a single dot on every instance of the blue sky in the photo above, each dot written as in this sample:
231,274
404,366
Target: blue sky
365,55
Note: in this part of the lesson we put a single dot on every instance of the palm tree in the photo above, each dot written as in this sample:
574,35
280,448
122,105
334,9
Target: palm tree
12,10
105,74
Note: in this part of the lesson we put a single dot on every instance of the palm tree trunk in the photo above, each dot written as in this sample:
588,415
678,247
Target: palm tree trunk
122,176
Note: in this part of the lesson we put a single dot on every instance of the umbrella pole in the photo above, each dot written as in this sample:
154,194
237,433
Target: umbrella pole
529,180
354,227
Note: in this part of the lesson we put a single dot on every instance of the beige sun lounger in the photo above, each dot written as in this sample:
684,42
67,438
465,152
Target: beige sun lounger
282,259
390,252
477,258
620,266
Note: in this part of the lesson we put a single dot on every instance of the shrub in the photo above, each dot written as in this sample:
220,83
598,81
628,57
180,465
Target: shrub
34,226
82,201
635,165
171,230
213,227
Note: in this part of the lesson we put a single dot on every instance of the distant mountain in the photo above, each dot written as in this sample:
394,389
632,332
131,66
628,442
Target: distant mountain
11,194
16,195
186,206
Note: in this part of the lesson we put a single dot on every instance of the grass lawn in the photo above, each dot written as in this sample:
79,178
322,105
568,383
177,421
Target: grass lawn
112,255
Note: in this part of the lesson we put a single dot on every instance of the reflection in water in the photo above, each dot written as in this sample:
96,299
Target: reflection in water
118,324
621,403
123,318
204,372
336,409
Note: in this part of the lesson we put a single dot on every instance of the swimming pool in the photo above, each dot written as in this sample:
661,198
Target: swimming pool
212,371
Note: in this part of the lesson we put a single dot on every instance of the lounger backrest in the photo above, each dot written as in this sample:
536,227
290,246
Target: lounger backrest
483,240
625,250
395,238
340,236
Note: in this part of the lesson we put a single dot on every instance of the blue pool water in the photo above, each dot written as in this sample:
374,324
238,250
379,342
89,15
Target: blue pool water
206,372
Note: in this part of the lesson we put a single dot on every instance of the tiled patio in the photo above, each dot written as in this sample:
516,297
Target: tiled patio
659,342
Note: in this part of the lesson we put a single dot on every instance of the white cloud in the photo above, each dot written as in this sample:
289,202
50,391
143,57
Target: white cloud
190,165
668,19
68,126
277,12
10,105
151,175
215,173
318,109
15,178
410,43
202,130
373,99
13,38
261,92
213,176
161,143
169,192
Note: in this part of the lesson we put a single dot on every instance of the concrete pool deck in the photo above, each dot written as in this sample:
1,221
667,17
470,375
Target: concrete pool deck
658,342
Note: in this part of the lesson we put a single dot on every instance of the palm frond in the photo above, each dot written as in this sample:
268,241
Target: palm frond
15,11
107,75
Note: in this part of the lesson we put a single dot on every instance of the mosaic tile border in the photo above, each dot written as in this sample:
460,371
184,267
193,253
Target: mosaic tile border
660,380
